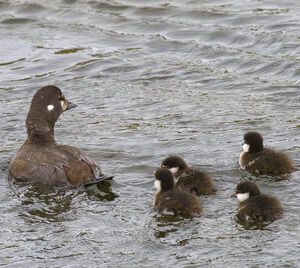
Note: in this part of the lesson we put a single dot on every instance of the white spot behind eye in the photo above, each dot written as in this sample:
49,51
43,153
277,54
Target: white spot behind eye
174,169
157,185
50,107
246,147
242,197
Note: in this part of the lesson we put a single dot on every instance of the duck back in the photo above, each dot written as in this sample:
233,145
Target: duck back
54,165
178,202
269,162
195,181
263,208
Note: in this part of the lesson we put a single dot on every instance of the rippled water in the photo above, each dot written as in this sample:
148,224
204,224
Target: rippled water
150,78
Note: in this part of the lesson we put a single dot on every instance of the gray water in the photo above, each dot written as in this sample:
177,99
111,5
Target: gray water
150,78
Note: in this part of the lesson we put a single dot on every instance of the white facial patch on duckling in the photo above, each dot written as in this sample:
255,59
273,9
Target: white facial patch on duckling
50,107
174,170
157,185
242,197
246,147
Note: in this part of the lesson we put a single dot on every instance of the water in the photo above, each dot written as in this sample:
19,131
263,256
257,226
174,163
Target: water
150,78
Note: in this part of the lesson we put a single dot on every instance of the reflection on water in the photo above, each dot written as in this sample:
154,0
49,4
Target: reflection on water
42,203
168,224
53,204
102,191
254,225
150,78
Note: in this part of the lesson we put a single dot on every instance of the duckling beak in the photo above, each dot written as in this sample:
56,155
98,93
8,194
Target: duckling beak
70,105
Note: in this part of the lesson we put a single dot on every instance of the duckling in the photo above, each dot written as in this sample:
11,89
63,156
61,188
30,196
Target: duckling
169,200
254,205
189,179
258,159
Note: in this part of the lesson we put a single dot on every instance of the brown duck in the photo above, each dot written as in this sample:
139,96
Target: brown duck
40,158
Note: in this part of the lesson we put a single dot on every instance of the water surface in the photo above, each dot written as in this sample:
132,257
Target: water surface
150,78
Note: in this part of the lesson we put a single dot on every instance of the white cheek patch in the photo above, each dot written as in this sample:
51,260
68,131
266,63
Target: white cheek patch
50,107
157,185
174,170
242,197
246,147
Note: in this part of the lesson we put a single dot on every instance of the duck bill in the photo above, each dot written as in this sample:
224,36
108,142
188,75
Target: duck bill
70,106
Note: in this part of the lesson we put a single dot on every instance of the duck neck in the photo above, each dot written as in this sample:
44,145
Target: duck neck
167,185
166,190
39,132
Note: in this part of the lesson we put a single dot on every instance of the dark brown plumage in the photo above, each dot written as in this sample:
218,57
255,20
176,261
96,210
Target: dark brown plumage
168,200
256,206
260,160
189,179
40,158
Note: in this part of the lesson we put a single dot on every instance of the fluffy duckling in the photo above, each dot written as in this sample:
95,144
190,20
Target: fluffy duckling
189,179
169,200
254,205
258,159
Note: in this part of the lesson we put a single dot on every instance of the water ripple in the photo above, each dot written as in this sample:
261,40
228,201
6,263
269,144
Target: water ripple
150,78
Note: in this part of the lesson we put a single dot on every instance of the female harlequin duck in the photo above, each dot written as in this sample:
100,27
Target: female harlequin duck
40,158
168,200
254,205
260,160
189,179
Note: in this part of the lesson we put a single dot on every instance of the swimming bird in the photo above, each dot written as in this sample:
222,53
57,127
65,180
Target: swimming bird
189,179
169,200
254,205
40,158
258,159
